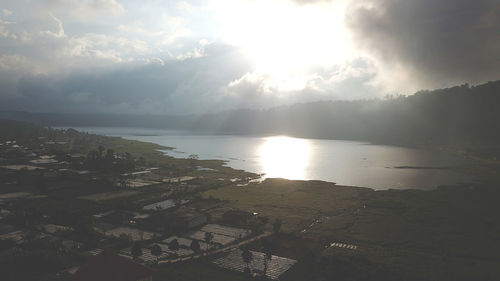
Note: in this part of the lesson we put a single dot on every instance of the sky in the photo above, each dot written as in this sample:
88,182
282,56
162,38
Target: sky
197,56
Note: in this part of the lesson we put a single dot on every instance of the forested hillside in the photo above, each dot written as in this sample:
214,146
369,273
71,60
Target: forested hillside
460,114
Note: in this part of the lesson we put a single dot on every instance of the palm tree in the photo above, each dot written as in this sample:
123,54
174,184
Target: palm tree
173,245
30,236
110,155
156,251
136,251
268,249
101,151
208,238
195,246
247,258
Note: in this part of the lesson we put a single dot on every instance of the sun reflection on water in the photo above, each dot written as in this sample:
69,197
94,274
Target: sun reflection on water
285,157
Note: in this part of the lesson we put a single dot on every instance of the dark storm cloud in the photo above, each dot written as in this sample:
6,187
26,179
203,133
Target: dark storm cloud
439,42
173,87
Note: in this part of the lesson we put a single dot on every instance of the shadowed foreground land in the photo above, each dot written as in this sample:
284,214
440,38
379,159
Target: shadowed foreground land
446,234
335,232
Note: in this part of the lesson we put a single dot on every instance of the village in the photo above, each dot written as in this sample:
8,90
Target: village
79,206
64,199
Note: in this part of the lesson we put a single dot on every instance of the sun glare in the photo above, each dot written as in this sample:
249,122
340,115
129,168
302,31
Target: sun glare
282,38
285,157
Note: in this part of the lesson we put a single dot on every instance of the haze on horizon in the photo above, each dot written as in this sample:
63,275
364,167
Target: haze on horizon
171,57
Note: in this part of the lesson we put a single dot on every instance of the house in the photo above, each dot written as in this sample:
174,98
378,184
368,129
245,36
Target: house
54,228
276,266
120,217
11,232
108,266
71,244
165,204
237,217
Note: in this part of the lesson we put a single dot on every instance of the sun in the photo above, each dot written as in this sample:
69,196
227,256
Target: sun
282,38
285,157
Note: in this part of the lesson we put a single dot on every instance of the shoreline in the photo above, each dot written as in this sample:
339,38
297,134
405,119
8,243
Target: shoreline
238,163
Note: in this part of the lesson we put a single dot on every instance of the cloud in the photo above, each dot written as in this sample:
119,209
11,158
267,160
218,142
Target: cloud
6,12
308,2
103,46
348,81
197,56
85,9
10,62
60,30
198,52
429,43
190,85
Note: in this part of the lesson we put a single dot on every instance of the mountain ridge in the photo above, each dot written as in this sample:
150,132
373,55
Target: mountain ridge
460,114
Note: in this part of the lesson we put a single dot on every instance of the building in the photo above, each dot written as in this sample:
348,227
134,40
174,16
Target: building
276,266
120,217
11,232
108,266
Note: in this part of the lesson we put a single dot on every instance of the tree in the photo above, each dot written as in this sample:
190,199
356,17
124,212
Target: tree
268,248
129,163
257,226
123,182
136,251
173,245
124,238
209,236
110,155
101,151
156,251
192,159
247,258
195,246
141,161
277,226
30,236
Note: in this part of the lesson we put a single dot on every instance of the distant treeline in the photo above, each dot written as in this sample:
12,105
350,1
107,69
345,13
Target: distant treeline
460,114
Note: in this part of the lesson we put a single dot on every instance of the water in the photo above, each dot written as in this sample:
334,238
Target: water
344,162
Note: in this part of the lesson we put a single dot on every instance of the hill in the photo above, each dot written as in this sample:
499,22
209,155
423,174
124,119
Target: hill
461,114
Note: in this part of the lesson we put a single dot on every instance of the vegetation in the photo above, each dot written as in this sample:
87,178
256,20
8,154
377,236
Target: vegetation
268,251
404,230
450,233
195,246
136,251
247,257
173,245
209,236
156,251
461,115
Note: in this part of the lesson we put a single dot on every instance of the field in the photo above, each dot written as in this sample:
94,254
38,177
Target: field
408,231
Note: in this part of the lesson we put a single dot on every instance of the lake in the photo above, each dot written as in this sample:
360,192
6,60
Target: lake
343,162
